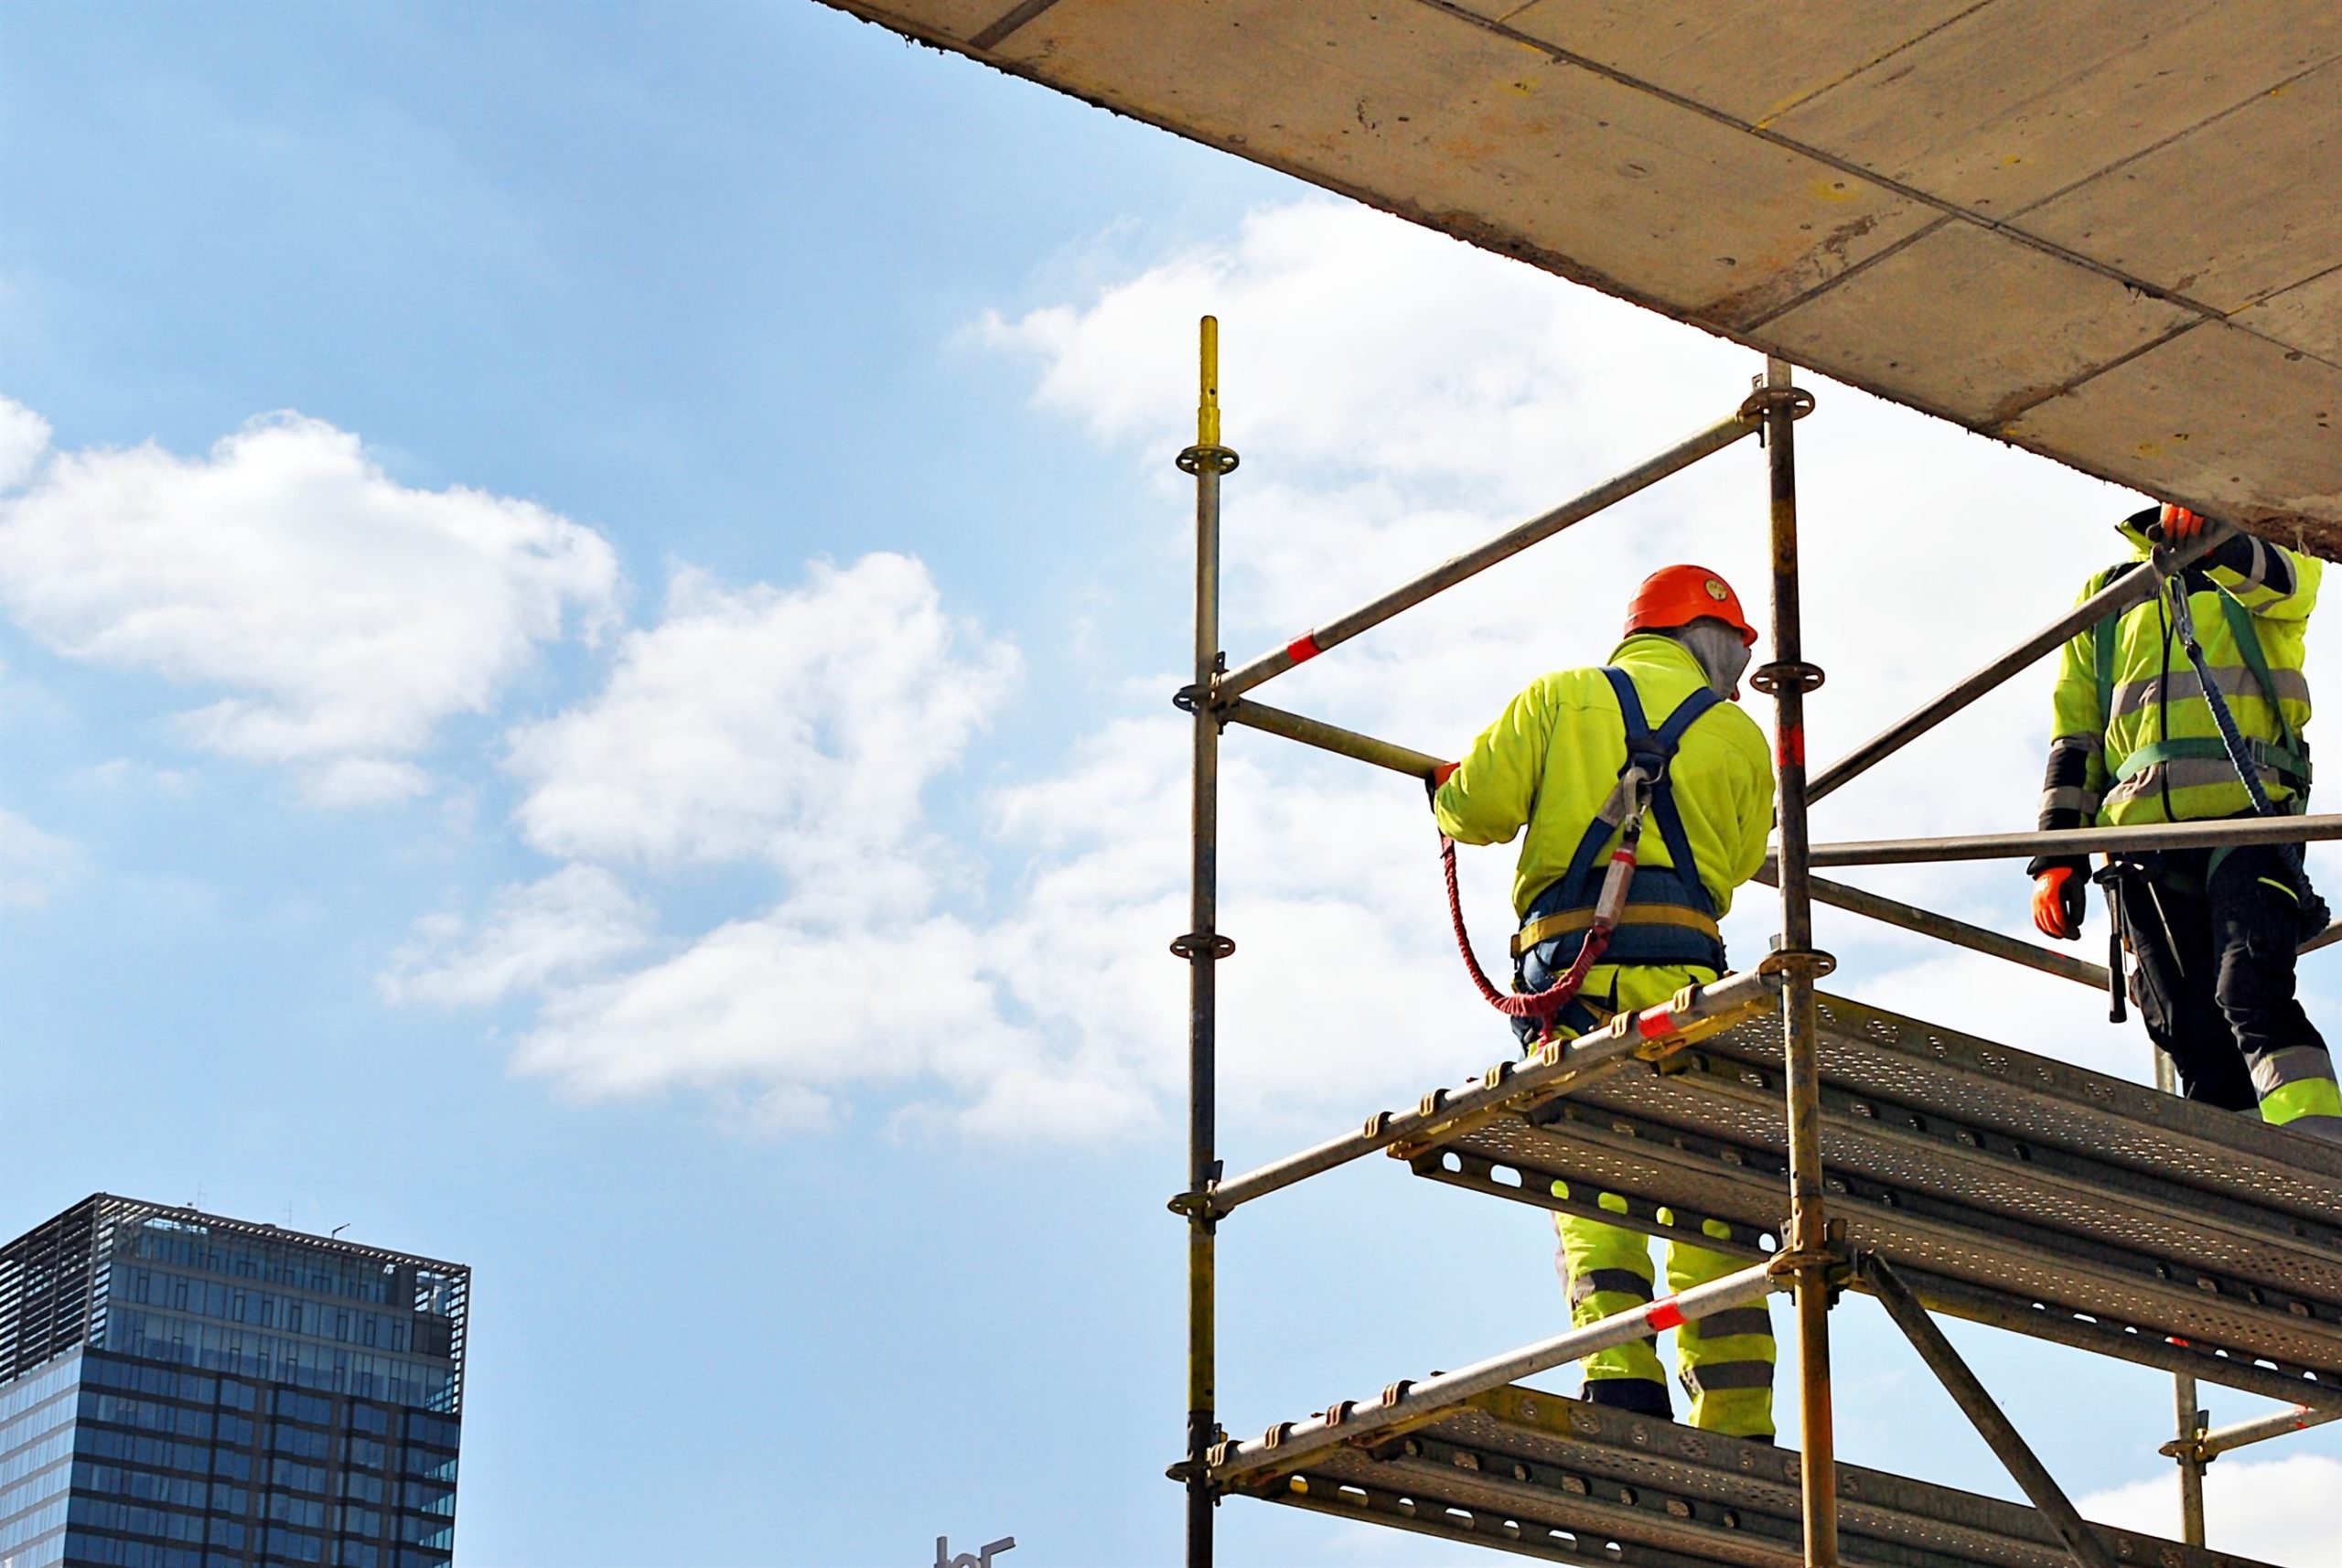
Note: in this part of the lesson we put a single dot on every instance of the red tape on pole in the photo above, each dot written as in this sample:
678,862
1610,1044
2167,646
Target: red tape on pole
1303,648
1662,1315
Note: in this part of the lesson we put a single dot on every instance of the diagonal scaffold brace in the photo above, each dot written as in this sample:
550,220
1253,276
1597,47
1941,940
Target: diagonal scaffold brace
2013,1452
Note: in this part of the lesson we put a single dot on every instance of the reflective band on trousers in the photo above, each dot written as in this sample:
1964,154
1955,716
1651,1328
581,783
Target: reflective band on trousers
1621,1281
2306,1097
1712,1376
1732,1322
2234,682
2295,1064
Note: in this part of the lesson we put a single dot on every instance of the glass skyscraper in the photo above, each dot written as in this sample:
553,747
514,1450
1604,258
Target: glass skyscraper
181,1390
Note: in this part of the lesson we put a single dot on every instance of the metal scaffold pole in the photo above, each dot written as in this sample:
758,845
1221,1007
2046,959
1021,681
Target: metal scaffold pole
1203,947
1808,1256
2186,1414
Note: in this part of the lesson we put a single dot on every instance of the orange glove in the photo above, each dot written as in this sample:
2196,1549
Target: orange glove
1437,776
2177,526
2058,895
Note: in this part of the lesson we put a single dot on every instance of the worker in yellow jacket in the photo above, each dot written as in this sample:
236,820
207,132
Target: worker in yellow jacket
1551,764
2212,933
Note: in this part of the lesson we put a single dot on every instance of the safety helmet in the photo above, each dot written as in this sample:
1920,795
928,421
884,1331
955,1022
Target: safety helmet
1678,596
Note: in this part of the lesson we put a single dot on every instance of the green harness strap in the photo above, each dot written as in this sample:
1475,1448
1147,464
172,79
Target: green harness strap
2289,757
2103,636
2256,658
2286,756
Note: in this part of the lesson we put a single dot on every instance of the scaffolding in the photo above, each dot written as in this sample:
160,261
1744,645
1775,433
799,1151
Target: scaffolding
1939,1173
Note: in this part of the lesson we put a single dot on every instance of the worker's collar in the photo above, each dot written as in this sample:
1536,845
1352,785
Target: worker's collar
1650,645
1645,649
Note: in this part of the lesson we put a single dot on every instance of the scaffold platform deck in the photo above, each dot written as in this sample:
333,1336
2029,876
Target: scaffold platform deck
1554,1479
2006,1188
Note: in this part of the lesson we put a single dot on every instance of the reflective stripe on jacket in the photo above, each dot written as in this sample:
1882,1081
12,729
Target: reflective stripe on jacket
1550,761
2154,697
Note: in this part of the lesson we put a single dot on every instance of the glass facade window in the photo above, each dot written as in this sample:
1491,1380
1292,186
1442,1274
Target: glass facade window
180,1391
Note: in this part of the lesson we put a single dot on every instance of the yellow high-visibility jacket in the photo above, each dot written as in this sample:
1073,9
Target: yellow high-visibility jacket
1550,762
2151,752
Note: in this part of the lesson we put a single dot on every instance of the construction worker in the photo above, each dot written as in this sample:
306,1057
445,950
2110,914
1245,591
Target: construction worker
1554,763
2212,933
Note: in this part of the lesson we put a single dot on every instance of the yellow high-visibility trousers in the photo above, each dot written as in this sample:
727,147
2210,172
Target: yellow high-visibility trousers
1726,1360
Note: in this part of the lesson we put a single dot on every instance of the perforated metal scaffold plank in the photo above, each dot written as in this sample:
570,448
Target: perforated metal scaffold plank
2006,1188
1550,1478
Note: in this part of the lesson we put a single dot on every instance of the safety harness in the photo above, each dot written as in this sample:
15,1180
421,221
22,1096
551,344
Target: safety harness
1583,916
2125,877
2288,757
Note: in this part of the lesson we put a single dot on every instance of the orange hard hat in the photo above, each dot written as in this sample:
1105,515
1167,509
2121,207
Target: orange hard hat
1678,596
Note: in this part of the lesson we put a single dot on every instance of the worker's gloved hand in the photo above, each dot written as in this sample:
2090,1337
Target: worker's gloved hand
2059,896
1436,777
2177,526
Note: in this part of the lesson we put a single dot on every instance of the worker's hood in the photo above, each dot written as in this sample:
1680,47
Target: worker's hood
2134,527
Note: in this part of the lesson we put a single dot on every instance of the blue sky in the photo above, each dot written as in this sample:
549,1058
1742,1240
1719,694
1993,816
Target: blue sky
587,598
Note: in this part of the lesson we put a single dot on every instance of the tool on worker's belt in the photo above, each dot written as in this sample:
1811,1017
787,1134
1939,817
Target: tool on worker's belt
2110,878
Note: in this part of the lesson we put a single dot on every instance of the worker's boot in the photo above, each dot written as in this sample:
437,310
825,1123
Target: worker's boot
1643,1396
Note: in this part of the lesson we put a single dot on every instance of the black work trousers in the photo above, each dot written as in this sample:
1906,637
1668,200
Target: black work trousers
2214,979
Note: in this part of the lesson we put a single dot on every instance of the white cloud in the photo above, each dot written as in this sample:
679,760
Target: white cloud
574,923
797,727
33,864
1351,339
23,439
2286,1510
342,615
786,1013
794,730
1398,397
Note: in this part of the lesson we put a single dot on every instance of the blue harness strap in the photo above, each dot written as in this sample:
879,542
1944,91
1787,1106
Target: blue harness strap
1670,918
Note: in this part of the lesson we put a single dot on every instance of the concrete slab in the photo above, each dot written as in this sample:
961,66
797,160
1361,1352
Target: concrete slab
2034,324
2006,107
1469,122
1751,58
2229,212
2306,316
2096,176
2239,419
